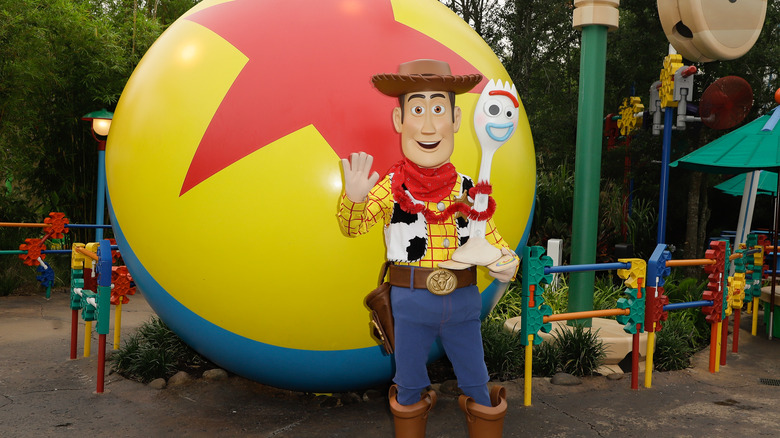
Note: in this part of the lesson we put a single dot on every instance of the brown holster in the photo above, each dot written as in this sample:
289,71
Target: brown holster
378,301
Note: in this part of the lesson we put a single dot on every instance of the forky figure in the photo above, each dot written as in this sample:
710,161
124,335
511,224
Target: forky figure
495,121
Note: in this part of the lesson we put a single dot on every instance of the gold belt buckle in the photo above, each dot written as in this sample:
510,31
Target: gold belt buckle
441,282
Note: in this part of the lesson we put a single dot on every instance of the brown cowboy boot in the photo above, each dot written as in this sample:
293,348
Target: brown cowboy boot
483,421
410,420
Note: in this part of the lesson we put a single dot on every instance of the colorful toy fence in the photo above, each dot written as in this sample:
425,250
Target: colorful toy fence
95,284
645,306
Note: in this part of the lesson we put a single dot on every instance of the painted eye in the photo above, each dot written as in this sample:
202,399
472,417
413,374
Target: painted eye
438,109
492,108
418,110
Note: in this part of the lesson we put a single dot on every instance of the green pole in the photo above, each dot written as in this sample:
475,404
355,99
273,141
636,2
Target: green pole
587,166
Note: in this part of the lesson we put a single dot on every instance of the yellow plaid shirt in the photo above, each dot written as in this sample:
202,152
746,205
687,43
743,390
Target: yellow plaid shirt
357,218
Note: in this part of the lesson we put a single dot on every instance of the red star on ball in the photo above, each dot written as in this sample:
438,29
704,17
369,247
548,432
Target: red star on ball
305,59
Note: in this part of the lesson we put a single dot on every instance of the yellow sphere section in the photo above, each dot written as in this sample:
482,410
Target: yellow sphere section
255,248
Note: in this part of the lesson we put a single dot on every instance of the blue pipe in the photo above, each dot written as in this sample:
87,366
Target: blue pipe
688,305
101,194
586,267
663,200
68,251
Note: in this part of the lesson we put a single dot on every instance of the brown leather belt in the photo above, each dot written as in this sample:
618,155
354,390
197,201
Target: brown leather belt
437,281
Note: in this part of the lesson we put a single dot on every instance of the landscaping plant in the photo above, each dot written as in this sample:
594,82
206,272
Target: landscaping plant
154,351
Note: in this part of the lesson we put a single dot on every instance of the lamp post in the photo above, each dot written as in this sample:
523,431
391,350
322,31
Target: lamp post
594,18
101,124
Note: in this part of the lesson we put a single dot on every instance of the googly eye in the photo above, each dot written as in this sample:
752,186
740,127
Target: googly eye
492,108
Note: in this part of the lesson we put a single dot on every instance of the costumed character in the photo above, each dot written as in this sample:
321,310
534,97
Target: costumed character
421,204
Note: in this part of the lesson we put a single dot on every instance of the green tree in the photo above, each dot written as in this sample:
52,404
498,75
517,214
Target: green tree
60,59
541,54
483,16
543,62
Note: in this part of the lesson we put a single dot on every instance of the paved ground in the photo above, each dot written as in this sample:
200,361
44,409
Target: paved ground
43,394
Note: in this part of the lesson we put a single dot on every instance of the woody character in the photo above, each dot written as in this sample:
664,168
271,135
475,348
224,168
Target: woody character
417,202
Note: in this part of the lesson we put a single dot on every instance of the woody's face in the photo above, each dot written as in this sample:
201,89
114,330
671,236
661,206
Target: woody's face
427,124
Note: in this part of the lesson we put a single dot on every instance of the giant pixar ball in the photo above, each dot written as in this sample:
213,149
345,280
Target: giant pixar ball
224,175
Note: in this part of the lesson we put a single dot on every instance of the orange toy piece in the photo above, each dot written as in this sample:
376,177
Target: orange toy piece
121,280
57,222
33,248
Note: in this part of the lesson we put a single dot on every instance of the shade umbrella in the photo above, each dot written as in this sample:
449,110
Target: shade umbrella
754,146
742,150
767,184
748,185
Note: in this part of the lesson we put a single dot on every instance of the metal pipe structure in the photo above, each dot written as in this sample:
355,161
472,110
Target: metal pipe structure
585,315
689,262
37,225
688,305
663,198
586,267
46,251
87,253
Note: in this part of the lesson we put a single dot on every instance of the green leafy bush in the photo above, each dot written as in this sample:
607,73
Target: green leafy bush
504,355
674,346
154,351
10,280
606,292
580,351
546,359
557,297
510,305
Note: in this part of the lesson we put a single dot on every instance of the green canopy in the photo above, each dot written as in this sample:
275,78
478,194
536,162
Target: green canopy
767,184
742,150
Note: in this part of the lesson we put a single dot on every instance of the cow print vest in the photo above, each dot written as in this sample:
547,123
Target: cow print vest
406,236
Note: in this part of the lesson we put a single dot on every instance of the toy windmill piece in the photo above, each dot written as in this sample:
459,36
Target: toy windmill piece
726,102
495,120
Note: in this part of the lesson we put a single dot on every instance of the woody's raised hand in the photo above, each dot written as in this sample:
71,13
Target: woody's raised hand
358,178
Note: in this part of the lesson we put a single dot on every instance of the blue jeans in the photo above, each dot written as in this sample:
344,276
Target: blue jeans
420,317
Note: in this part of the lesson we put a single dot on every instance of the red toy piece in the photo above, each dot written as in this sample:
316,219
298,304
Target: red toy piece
611,131
33,248
714,291
655,300
115,256
767,244
121,280
58,223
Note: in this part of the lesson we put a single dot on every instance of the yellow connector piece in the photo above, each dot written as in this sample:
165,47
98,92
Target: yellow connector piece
92,247
737,290
77,259
629,122
633,275
672,63
758,257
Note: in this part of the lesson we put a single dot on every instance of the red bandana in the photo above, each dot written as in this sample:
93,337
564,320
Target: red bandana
433,185
429,185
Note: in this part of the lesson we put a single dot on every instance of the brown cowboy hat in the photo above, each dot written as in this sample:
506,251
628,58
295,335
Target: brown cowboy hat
424,75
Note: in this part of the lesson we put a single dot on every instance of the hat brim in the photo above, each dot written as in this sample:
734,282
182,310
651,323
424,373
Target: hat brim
393,84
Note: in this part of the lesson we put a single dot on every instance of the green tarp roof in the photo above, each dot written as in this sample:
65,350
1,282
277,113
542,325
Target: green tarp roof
767,184
744,149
